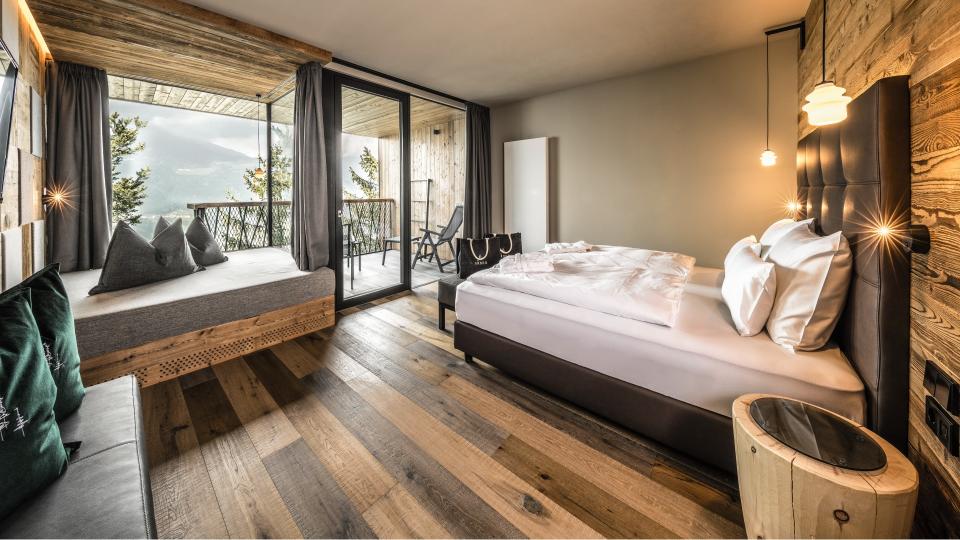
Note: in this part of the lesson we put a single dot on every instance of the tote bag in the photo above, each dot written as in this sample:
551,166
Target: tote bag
476,254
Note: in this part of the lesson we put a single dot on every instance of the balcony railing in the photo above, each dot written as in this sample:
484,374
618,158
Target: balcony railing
367,222
243,225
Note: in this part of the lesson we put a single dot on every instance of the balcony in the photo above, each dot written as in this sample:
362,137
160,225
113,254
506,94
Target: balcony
367,222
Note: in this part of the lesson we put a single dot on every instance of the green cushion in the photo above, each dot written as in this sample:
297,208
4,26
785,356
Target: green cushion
51,310
31,453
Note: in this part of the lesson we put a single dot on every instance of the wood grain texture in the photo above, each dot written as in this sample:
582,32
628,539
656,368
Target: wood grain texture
398,515
185,504
867,40
373,456
267,425
171,357
250,503
789,495
312,495
172,42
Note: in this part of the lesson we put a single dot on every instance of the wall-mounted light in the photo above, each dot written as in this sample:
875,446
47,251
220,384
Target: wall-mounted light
909,237
826,104
56,198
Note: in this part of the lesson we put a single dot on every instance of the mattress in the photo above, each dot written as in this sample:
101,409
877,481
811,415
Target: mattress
701,360
250,283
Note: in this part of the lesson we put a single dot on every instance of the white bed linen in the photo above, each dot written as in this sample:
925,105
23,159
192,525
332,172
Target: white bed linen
701,360
634,283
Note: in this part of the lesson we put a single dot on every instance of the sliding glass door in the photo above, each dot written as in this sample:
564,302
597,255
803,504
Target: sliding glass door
367,129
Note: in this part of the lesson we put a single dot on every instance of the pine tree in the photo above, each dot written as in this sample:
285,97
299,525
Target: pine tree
370,186
282,176
128,191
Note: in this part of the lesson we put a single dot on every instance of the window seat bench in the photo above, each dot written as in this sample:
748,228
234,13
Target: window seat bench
159,331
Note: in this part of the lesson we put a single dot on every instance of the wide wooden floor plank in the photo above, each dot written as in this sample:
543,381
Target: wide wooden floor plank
268,427
681,515
394,350
319,507
416,328
595,507
453,505
300,362
399,515
358,473
247,496
528,510
184,501
709,487
474,428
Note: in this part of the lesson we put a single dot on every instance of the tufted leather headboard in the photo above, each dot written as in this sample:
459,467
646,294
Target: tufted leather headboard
853,177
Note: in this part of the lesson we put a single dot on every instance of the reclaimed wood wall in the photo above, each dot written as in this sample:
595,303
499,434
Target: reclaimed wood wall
868,40
23,183
438,152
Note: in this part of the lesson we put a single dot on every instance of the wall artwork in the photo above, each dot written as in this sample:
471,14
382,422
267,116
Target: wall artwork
36,123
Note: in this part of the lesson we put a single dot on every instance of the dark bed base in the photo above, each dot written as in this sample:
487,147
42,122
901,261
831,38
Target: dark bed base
702,434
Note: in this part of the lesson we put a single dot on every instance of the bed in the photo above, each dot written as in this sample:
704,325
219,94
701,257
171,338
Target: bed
676,385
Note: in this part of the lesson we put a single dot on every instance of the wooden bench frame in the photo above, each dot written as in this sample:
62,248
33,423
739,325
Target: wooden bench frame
169,358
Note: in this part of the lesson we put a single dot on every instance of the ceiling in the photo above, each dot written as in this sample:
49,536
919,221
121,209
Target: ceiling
169,41
496,51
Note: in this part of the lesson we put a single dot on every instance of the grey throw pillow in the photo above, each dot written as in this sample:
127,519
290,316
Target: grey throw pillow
206,251
203,246
133,261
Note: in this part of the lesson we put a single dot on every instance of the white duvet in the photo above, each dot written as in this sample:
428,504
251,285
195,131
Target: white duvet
634,283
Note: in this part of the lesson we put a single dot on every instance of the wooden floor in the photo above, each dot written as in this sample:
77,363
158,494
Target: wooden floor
378,428
373,274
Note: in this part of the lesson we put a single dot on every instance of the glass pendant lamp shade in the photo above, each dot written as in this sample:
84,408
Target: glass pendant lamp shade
768,158
259,173
826,104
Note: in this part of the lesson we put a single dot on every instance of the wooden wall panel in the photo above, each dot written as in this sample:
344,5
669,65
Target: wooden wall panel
868,40
439,156
24,172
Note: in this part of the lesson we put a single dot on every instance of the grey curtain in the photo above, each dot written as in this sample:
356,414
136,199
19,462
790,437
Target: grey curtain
309,241
477,206
78,166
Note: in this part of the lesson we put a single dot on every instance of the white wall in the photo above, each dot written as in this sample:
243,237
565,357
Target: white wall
666,159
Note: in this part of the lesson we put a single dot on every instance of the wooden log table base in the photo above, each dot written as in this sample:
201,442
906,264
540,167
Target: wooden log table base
172,357
786,494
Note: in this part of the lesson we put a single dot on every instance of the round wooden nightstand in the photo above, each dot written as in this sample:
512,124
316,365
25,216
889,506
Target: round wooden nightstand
805,472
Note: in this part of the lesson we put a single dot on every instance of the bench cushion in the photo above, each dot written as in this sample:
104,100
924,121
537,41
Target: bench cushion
105,492
250,283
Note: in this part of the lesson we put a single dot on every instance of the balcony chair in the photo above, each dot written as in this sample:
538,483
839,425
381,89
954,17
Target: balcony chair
428,247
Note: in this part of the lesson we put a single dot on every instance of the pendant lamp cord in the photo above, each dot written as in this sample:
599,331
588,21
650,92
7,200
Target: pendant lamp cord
823,49
259,155
768,91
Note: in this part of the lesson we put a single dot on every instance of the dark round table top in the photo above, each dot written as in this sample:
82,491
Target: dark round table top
818,434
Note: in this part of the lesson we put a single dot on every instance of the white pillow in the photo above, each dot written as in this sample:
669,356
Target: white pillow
750,241
776,231
749,286
813,274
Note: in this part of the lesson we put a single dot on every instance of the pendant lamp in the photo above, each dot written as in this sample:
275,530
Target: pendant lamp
827,104
259,173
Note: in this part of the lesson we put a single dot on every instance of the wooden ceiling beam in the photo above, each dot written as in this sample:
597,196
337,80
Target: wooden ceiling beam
171,42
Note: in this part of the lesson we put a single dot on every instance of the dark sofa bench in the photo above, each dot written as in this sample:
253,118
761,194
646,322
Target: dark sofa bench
105,492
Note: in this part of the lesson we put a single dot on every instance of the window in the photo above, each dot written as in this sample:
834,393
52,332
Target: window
180,153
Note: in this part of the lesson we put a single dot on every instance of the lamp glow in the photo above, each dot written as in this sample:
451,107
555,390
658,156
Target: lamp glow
884,230
826,105
259,173
768,158
57,198
793,207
